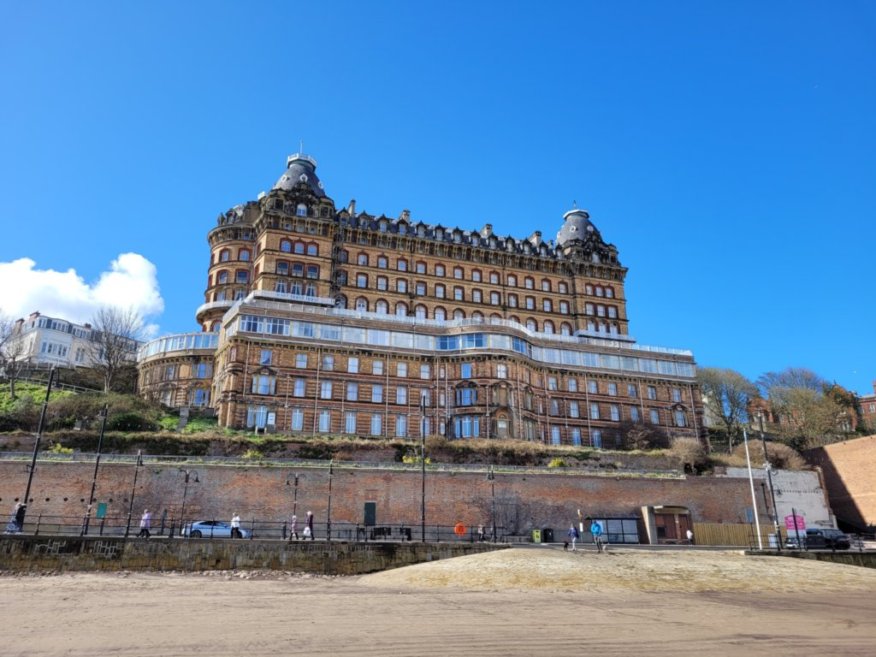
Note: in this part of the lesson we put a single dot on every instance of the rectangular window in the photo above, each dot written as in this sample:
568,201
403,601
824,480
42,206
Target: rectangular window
477,296
632,390
501,371
263,384
680,419
596,438
350,422
573,409
325,421
376,424
465,370
265,357
300,361
552,383
299,388
592,387
573,385
401,370
325,390
377,393
555,407
555,435
458,294
425,371
576,436
634,414
426,397
377,367
612,389
652,392
401,425
297,419
353,365
328,363
655,416
352,391
676,396
594,411
615,412
401,395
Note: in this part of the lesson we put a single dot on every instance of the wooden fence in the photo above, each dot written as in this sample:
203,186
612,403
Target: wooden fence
736,535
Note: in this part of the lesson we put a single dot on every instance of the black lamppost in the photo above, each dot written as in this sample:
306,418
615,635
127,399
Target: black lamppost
769,473
137,465
491,477
103,414
22,511
328,527
294,478
423,466
182,513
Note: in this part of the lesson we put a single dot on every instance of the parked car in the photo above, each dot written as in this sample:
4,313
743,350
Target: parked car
211,529
816,538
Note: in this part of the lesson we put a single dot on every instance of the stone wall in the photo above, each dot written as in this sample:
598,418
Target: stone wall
68,553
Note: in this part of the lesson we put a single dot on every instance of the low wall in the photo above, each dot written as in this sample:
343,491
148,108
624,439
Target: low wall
76,553
849,558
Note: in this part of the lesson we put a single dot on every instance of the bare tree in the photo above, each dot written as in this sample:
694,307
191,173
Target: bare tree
12,351
793,377
115,333
726,395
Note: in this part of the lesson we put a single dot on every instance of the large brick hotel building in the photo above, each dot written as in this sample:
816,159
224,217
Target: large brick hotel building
319,320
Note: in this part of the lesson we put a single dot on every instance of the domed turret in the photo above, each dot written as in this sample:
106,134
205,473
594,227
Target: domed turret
300,168
576,227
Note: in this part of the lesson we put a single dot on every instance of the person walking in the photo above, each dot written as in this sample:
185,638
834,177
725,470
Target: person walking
481,534
596,531
16,522
689,535
308,528
235,526
145,524
573,535
293,528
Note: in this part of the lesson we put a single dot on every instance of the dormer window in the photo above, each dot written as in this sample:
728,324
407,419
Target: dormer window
301,209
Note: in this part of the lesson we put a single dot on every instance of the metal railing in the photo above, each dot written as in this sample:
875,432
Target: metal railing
169,527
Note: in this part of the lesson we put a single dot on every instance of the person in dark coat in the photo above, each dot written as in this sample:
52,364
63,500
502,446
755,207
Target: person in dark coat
16,522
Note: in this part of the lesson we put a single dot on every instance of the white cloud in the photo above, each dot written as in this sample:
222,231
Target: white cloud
131,282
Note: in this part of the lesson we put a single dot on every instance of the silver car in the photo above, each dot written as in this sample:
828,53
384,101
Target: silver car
211,529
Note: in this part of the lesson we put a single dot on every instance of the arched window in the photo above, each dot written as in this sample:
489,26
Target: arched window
495,316
532,325
420,312
478,316
243,254
286,246
298,269
401,309
565,329
381,307
222,277
599,291
545,285
514,318
362,259
343,255
402,264
548,326
494,277
299,248
591,325
312,271
382,262
476,275
440,314
512,280
439,270
362,304
529,283
457,272
312,249
459,314
215,326
563,288
224,255
341,301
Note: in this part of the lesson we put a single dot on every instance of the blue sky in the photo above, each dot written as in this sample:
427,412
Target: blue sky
727,149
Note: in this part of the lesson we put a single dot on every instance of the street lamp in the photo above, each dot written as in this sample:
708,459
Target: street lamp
769,473
103,414
182,513
423,465
491,477
328,526
137,465
294,479
19,517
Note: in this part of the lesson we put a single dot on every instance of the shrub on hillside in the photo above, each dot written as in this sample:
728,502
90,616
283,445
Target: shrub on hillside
130,421
636,435
64,413
781,456
690,453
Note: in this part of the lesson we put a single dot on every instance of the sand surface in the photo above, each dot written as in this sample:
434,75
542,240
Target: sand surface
533,601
